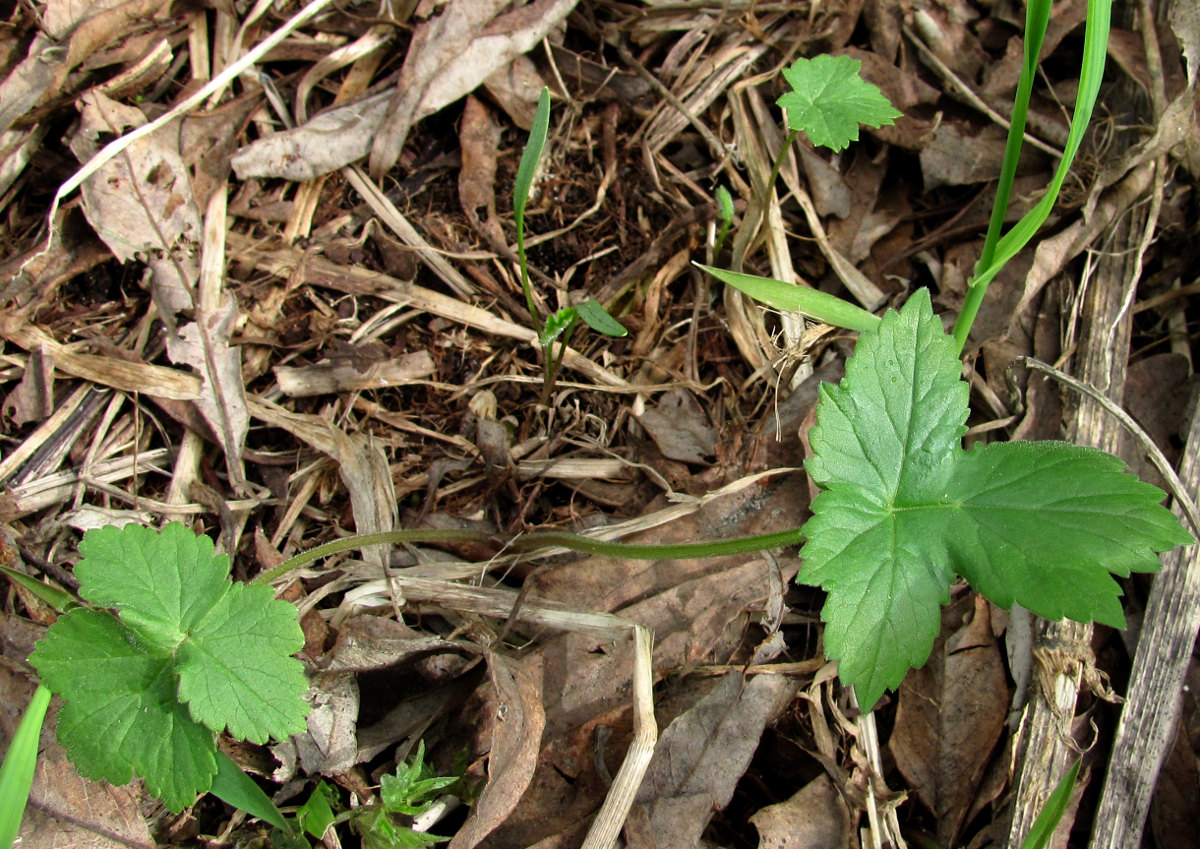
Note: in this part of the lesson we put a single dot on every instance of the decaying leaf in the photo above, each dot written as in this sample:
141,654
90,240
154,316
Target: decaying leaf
815,817
951,714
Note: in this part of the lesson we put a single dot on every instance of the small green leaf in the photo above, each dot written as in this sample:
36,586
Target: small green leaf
1043,827
904,508
812,303
724,204
558,324
532,155
408,791
596,317
829,100
316,815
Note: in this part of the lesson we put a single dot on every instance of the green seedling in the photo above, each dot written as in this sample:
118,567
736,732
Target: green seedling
904,508
724,215
407,794
559,325
184,654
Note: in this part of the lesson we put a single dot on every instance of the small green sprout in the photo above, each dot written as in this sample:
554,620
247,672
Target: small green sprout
560,325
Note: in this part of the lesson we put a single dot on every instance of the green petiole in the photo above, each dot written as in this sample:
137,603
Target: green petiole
536,541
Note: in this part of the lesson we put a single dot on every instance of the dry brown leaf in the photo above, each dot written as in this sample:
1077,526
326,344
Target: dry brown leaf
955,157
516,740
1185,23
816,817
702,755
950,715
680,428
33,398
451,55
699,611
139,203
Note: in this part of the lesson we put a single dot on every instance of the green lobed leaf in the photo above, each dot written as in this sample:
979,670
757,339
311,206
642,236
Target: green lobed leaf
236,672
162,584
829,100
191,654
904,508
120,715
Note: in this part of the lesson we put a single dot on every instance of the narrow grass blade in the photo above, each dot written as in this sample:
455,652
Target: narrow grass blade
1095,46
238,789
16,773
525,174
1037,17
60,600
596,317
531,156
812,303
1043,827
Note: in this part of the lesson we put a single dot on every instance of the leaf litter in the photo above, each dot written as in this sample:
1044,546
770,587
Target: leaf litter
283,350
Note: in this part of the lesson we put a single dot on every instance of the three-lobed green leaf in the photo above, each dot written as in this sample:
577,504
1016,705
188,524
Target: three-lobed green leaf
190,655
829,100
904,508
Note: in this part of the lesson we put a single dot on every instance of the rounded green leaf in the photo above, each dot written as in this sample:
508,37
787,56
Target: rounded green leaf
596,317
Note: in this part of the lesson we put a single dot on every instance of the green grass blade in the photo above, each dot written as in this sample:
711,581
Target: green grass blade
1095,47
60,600
1037,17
240,790
531,156
1043,827
525,173
812,303
596,317
16,773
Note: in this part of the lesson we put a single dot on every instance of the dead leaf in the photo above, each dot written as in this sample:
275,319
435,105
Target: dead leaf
450,56
816,817
950,715
139,203
516,739
1185,23
702,755
33,398
680,428
954,157
204,345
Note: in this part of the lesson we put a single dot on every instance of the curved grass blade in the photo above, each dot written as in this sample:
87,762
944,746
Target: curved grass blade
811,303
16,773
238,789
1095,47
